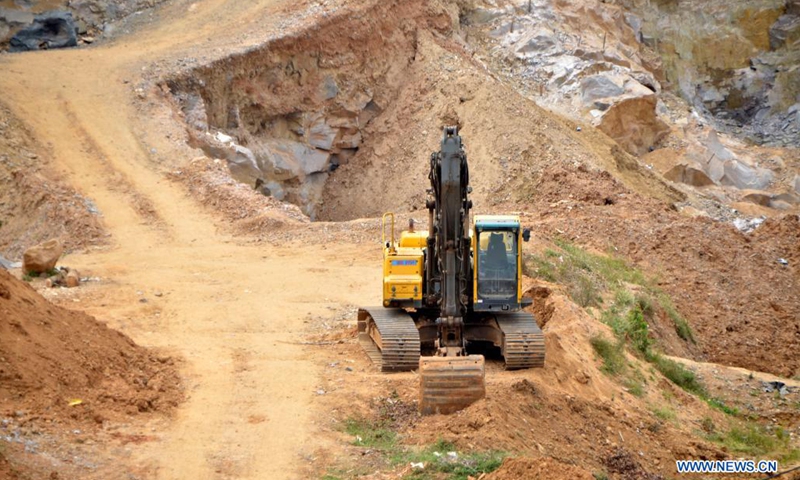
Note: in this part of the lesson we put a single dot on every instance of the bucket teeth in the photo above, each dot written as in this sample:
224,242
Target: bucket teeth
450,384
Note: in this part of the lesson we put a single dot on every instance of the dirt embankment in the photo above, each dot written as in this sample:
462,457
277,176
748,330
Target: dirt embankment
731,286
34,204
59,365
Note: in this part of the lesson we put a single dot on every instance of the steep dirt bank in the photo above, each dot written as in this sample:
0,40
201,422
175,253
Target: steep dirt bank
63,376
35,204
52,356
730,285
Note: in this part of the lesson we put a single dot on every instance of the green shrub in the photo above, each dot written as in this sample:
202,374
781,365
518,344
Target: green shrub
677,374
638,332
611,353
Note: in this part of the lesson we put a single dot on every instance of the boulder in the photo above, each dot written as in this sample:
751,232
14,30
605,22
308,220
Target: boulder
784,32
328,89
42,257
5,264
790,198
740,175
288,159
242,164
633,123
54,29
599,86
758,197
689,175
348,140
11,21
536,41
320,134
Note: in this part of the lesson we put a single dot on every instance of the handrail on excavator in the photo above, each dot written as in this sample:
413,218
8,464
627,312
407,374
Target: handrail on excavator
383,231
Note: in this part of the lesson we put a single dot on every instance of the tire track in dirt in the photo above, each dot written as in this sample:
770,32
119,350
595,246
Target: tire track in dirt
250,386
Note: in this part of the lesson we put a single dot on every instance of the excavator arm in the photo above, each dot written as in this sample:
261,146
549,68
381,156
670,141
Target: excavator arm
450,380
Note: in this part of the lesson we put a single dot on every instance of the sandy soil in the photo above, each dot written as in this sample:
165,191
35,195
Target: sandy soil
229,308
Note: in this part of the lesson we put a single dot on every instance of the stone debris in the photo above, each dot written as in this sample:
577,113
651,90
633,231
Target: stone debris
72,279
747,225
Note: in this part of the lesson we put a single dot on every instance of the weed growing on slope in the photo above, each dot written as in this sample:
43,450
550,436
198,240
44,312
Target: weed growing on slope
442,457
756,441
440,460
587,275
612,354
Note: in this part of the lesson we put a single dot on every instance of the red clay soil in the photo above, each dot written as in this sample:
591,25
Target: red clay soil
7,472
740,301
538,469
50,356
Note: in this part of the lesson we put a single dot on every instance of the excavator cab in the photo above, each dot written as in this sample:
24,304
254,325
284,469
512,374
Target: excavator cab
497,263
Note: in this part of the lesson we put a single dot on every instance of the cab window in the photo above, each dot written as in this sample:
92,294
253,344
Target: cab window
497,264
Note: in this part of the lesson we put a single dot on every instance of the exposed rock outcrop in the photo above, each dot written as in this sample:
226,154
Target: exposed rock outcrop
49,30
736,60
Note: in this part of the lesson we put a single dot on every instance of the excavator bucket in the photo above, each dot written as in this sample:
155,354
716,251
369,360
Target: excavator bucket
449,384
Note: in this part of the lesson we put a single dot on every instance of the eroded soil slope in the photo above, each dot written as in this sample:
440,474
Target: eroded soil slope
52,356
35,204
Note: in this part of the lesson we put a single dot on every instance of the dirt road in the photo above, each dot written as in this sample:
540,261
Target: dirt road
233,311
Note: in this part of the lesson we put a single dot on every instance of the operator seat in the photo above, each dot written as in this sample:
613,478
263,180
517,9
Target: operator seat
496,257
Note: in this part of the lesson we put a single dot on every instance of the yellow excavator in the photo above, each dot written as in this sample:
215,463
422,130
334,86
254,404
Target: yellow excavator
450,292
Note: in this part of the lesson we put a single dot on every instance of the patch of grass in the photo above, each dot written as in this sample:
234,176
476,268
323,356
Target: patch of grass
27,277
634,386
664,413
756,441
379,436
722,407
600,476
371,434
537,267
612,354
586,275
437,459
677,374
612,269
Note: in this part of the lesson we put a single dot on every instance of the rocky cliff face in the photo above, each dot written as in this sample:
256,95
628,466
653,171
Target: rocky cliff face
704,85
738,61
